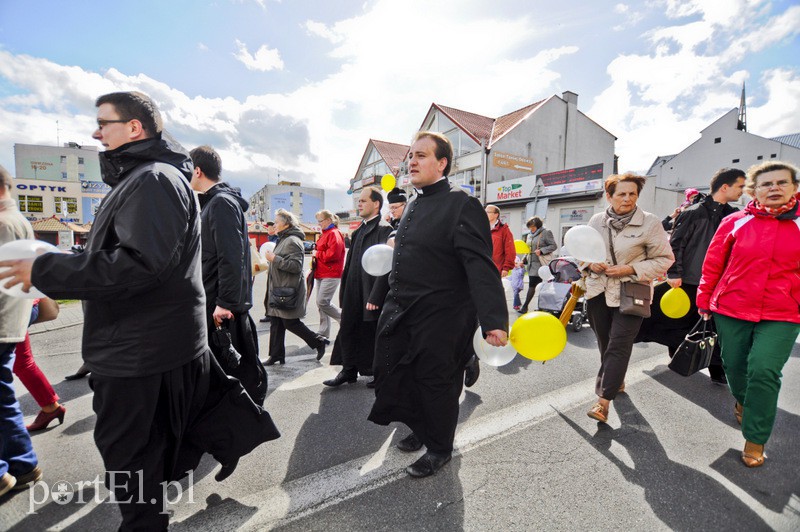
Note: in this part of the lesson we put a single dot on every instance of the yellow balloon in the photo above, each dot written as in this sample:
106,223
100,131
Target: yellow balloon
538,336
388,182
521,247
675,303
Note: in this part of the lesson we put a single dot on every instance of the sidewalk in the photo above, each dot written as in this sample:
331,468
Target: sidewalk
68,315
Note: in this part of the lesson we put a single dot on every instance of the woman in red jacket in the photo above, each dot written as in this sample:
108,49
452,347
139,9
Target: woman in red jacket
329,257
751,283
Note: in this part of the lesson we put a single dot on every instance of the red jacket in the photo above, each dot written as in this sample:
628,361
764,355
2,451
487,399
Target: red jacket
330,254
752,268
503,252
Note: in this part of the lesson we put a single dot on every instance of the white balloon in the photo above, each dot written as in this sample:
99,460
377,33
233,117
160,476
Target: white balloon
545,274
585,244
377,260
23,249
266,246
489,354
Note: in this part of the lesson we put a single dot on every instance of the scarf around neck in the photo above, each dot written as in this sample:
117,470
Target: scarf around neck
618,221
776,211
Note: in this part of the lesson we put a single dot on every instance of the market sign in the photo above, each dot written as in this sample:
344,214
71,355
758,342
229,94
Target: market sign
574,180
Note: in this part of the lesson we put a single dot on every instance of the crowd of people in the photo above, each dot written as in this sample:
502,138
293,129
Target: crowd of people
167,277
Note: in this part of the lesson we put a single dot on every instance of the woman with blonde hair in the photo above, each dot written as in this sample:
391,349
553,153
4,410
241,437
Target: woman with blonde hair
637,251
751,284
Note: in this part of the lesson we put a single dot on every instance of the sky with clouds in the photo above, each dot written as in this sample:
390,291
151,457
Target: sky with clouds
296,88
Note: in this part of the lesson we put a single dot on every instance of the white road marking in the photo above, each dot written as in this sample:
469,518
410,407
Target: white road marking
299,498
310,378
379,457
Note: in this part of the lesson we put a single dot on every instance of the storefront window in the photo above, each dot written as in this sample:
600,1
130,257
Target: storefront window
31,204
71,205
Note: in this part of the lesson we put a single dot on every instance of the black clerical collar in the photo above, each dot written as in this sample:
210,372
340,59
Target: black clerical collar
438,186
365,222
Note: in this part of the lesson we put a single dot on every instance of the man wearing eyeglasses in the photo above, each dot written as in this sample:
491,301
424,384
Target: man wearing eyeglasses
144,336
396,198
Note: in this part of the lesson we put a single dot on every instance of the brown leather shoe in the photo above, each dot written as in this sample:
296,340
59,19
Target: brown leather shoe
753,454
31,477
738,411
599,413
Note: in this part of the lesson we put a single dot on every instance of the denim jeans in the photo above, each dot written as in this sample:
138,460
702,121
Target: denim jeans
16,451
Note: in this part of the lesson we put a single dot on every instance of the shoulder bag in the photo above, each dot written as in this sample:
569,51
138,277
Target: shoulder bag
634,298
284,297
695,351
545,260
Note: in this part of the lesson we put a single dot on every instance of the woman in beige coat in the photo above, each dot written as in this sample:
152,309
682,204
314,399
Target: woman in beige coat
641,253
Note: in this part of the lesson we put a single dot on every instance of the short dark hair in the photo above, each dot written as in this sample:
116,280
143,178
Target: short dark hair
5,178
375,195
536,221
628,177
725,176
444,150
135,105
208,161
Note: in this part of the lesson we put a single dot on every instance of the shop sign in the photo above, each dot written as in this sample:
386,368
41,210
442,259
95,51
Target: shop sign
512,162
576,216
20,186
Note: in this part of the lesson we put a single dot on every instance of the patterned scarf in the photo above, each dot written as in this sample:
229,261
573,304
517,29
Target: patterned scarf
618,221
776,211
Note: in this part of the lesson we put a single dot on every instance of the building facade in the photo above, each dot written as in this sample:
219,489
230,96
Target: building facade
379,158
724,143
58,181
304,202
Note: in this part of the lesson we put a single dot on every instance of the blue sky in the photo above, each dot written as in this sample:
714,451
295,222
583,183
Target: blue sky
297,88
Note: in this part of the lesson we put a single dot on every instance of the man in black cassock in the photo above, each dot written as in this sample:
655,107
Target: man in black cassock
227,276
443,280
360,295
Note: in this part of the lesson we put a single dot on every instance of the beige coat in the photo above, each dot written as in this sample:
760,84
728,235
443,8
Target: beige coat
643,244
15,313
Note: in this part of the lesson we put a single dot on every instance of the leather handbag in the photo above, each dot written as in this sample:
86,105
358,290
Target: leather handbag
634,298
695,351
284,297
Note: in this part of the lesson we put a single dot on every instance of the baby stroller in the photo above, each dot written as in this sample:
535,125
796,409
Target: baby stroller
554,294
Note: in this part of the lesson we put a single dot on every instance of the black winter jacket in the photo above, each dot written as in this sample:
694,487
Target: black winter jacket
225,249
693,230
140,274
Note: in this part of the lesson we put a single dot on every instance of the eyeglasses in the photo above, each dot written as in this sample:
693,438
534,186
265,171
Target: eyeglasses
102,123
769,184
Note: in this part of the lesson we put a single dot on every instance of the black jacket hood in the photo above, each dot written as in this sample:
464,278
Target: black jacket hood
224,188
163,148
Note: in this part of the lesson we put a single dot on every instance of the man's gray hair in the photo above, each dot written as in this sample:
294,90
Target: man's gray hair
288,218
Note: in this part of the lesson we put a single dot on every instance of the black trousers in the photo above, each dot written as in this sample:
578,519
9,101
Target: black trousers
615,334
140,424
533,282
277,335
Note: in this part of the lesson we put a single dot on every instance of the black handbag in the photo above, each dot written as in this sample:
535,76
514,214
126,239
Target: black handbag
695,351
634,298
284,297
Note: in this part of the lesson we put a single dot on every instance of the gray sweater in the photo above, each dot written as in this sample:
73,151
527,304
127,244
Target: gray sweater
15,313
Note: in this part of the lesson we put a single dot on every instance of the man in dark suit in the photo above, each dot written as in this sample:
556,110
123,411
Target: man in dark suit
360,295
442,282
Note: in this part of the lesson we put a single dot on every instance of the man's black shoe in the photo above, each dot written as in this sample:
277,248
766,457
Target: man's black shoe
472,371
371,383
321,347
718,375
265,319
410,444
429,464
341,378
226,470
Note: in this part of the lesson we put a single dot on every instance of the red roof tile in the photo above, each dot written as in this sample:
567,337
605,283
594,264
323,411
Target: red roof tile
477,126
506,123
49,225
391,152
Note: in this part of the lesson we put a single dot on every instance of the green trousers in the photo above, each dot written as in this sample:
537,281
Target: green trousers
753,355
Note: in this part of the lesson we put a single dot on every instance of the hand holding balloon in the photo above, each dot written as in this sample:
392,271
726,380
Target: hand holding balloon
619,270
598,267
497,338
16,263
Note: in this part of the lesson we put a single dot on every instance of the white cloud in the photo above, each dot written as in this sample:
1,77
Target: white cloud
202,47
264,59
319,29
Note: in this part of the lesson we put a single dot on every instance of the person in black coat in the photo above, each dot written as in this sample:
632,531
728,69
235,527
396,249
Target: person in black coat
443,281
360,295
692,233
144,333
227,276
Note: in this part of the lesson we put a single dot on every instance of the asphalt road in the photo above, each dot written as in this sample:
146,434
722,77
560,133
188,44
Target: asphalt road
528,457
